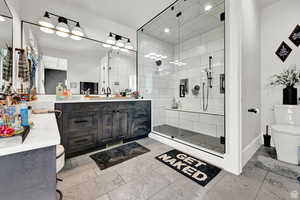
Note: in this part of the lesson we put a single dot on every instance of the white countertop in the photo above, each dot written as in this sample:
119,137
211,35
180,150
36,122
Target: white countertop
99,100
44,134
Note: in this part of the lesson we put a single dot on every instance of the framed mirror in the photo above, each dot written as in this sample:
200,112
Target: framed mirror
6,47
81,65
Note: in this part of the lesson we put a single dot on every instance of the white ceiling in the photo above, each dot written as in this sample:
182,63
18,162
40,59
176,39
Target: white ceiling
266,3
132,13
193,21
3,9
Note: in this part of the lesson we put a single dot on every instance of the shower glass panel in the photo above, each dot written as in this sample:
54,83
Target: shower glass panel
181,68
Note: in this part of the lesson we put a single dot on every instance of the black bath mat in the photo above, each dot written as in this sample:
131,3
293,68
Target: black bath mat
106,159
195,169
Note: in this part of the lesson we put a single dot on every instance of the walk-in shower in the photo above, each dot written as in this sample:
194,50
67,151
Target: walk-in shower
181,68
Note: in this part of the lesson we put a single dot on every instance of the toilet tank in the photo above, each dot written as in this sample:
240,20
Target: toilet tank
287,114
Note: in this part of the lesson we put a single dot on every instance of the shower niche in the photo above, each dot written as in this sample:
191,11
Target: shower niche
188,40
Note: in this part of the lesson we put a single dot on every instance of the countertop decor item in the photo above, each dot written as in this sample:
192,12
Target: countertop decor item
288,78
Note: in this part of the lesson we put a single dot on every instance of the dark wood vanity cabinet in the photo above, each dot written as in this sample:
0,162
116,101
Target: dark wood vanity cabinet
85,126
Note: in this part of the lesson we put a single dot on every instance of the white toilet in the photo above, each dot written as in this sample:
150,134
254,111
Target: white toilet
286,133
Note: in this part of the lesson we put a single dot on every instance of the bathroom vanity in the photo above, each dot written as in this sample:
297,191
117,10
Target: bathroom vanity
87,125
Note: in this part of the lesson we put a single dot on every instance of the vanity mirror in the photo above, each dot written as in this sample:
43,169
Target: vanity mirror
84,66
6,44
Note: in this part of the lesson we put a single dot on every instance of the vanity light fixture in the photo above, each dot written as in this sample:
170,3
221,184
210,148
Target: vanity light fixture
2,19
208,7
62,25
75,37
118,42
106,45
111,40
47,30
62,29
77,30
46,21
115,47
128,45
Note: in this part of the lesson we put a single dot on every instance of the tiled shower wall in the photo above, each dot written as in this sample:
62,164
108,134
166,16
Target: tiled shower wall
161,84
154,84
195,52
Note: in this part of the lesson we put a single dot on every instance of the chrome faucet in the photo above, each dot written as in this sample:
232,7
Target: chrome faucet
107,92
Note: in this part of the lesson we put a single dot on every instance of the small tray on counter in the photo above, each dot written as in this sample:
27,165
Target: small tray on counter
16,138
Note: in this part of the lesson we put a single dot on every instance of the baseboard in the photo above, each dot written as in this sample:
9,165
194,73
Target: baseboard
250,150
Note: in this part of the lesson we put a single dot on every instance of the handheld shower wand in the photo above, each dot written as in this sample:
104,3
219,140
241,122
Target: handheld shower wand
209,85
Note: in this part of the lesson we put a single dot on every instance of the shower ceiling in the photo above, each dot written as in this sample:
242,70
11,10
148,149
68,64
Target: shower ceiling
193,21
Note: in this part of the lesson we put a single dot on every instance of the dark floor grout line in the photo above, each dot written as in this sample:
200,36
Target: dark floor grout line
263,181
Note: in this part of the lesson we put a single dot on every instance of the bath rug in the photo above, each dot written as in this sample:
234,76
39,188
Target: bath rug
193,168
111,157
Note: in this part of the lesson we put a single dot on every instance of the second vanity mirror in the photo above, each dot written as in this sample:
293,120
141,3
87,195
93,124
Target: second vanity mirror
6,46
84,66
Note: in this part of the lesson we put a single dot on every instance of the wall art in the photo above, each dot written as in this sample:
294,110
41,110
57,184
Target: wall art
283,51
295,36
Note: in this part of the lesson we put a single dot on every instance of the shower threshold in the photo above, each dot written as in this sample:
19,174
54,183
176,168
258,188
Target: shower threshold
197,139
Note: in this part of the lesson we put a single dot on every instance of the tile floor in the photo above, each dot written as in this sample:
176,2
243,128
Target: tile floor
198,139
145,178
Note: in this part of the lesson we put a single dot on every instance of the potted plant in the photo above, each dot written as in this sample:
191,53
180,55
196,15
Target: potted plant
288,78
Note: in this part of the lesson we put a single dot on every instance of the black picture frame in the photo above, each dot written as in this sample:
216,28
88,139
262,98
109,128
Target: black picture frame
295,36
283,51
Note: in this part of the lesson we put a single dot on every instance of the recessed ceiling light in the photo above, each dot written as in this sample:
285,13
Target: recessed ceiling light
208,7
167,30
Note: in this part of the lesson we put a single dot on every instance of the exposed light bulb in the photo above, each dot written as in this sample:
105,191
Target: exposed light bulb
2,19
46,21
106,45
128,45
115,48
124,50
120,43
77,30
47,30
62,34
75,37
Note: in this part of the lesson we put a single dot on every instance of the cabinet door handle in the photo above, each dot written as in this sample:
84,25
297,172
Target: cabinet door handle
80,121
118,111
82,140
113,111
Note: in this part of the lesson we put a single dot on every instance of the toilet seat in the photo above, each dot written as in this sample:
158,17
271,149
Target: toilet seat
287,129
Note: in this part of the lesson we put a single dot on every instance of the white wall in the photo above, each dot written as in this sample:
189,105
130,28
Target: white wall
278,21
250,77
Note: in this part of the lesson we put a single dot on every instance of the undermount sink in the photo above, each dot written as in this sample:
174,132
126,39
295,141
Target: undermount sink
104,97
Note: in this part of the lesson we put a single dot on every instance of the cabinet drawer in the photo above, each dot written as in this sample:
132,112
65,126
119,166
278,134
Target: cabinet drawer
81,143
82,133
80,121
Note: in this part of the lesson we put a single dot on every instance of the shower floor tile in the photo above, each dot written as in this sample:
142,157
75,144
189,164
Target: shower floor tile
198,139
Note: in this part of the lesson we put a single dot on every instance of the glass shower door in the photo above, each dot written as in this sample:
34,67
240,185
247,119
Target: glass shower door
181,68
